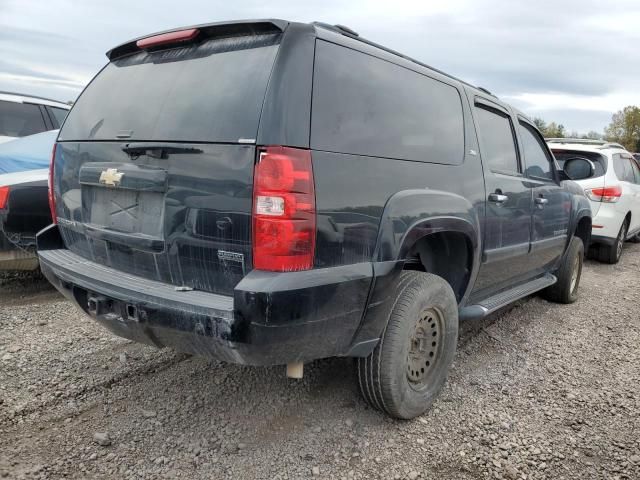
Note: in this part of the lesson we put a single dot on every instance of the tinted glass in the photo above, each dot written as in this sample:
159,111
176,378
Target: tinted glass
367,106
636,170
599,161
59,114
535,157
20,119
623,169
212,91
496,140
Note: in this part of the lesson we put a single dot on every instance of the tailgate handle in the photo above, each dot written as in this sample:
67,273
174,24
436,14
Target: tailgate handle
157,150
136,241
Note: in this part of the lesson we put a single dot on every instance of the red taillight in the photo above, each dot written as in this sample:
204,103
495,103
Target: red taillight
4,197
604,194
52,197
168,38
284,210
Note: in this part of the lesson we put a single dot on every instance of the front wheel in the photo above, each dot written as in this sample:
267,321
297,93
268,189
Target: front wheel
565,290
405,372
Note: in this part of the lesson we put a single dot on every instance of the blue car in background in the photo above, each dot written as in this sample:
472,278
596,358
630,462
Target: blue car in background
24,204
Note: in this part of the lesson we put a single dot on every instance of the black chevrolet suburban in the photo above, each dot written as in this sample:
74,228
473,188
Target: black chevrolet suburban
269,192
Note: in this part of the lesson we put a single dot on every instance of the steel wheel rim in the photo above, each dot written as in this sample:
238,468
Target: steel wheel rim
425,347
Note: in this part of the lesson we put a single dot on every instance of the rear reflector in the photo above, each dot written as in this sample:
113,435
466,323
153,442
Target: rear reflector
604,194
52,197
284,210
168,38
4,197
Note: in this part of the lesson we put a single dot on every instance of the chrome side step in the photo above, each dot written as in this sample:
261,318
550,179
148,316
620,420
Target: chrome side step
491,304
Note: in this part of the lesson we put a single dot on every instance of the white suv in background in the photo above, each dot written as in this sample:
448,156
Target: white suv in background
613,189
22,115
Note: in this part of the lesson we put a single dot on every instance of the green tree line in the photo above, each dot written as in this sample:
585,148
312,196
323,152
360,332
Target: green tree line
624,129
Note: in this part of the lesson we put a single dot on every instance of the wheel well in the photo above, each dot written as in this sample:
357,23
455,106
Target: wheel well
583,231
446,254
628,218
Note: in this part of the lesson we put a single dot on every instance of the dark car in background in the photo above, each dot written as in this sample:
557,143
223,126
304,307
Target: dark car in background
24,115
24,205
272,192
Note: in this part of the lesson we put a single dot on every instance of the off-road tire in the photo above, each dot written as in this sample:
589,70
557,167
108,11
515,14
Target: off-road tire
565,290
423,320
612,253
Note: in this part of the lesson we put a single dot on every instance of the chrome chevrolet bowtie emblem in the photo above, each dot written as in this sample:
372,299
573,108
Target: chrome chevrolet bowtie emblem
111,177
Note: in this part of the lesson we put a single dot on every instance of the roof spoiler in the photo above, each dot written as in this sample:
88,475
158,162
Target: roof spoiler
209,30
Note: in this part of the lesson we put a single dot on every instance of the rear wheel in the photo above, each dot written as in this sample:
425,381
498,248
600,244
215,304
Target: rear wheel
565,290
404,374
612,253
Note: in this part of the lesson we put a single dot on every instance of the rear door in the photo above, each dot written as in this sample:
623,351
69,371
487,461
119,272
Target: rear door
154,166
551,203
508,212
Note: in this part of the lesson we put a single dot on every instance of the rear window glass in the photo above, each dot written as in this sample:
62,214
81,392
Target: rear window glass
599,161
367,106
212,91
20,119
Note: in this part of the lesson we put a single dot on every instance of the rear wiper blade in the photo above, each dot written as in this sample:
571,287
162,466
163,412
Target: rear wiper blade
156,150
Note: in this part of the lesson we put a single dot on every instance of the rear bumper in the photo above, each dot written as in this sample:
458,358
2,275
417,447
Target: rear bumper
607,223
271,318
18,253
17,259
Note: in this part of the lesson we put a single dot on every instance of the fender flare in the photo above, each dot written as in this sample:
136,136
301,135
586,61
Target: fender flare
408,216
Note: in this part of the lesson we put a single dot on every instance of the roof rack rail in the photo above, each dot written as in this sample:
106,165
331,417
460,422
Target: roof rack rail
601,144
33,96
612,145
583,141
345,30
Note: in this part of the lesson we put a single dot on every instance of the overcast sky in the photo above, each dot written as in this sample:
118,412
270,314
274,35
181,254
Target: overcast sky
570,61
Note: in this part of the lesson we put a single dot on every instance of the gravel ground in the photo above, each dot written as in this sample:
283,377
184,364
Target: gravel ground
538,391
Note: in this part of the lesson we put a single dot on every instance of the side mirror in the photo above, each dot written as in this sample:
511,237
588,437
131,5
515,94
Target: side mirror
578,168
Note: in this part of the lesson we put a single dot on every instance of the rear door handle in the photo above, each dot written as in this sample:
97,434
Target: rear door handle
541,201
498,197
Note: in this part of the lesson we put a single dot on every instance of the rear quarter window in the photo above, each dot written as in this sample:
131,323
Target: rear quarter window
363,105
20,119
599,161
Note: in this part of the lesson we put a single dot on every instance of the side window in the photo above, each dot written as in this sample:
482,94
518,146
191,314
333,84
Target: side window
498,147
364,105
58,114
20,119
623,169
636,170
538,163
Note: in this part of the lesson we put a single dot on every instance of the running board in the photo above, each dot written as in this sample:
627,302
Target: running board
491,304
